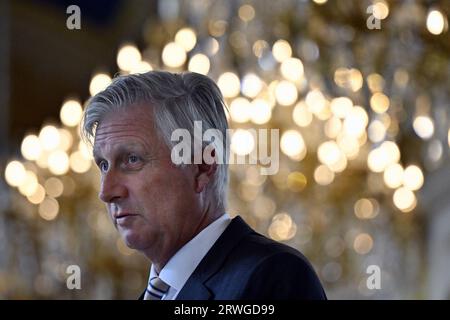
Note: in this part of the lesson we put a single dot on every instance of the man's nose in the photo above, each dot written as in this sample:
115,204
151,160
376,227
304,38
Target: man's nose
112,187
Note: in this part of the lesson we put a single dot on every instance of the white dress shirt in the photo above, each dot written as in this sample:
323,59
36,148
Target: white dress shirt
180,267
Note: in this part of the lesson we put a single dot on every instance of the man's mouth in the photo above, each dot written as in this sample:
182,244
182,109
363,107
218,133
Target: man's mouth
123,215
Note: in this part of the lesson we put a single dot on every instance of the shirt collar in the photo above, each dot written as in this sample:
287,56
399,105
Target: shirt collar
180,267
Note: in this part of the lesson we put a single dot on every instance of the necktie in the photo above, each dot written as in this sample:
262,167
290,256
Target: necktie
156,289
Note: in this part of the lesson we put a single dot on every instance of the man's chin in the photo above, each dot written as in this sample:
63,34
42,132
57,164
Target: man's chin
130,239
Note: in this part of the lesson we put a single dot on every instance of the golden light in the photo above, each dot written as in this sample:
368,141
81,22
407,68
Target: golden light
292,69
98,83
281,50
379,102
78,163
66,139
229,84
48,209
212,46
199,63
329,153
217,27
375,82
54,187
315,101
30,184
38,196
356,121
340,164
380,10
320,1
376,160
251,85
348,78
186,38
286,93
173,55
363,243
356,80
43,159
31,147
49,138
242,142
293,145
341,106
424,127
404,199
301,115
392,150
246,12
325,113
71,113
362,139
436,22
413,178
296,181
240,110
332,127
380,158
128,57
349,145
282,227
323,175
260,111
58,162
376,131
366,208
393,175
142,67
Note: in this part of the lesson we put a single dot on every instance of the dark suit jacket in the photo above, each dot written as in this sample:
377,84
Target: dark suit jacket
244,264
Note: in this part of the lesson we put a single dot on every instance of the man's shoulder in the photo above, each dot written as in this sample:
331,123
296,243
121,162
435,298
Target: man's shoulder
260,249
258,267
242,245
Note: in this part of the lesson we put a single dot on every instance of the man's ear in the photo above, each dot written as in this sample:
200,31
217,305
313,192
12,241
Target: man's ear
204,173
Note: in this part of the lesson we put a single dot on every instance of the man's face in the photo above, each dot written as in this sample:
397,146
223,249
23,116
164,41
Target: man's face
152,202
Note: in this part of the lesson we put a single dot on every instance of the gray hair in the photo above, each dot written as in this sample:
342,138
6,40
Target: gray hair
176,100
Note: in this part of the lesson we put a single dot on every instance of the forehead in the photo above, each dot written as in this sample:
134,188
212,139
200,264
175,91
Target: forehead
129,126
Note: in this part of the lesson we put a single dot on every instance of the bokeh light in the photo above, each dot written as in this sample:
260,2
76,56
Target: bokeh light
128,57
293,145
98,83
186,38
71,113
173,55
229,84
199,63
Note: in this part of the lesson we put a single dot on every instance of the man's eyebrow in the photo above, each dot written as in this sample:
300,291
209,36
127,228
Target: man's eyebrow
119,150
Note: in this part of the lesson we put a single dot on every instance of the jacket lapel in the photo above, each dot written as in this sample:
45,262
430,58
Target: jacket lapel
196,287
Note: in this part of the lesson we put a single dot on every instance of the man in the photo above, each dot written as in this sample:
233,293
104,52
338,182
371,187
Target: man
175,214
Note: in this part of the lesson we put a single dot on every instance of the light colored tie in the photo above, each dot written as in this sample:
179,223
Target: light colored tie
156,289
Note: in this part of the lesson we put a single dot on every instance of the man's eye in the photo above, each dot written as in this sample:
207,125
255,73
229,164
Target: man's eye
133,159
103,165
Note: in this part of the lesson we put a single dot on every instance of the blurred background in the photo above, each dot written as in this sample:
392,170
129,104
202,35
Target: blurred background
358,89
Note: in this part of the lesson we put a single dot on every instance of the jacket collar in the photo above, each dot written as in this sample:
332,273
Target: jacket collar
195,287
